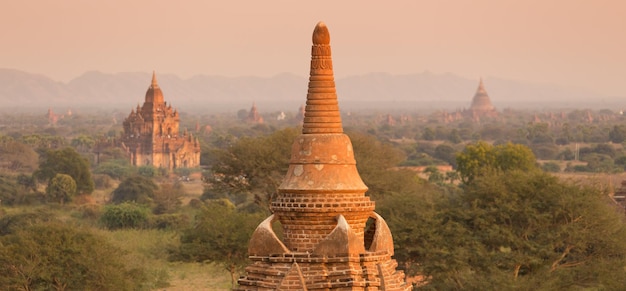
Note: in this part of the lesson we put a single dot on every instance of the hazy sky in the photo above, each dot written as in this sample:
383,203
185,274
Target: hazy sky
566,42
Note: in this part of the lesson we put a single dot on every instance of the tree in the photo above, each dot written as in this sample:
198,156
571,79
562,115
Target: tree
375,171
114,168
528,230
17,156
252,166
54,256
413,217
62,188
167,198
434,176
124,215
66,161
83,143
138,189
8,191
220,234
446,153
481,156
617,134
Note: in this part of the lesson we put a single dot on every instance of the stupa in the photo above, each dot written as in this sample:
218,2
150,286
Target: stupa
481,104
327,242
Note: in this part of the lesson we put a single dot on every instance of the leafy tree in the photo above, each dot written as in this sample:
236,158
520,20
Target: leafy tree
17,156
605,149
567,155
527,230
148,171
43,142
377,172
124,215
66,161
167,198
481,156
599,163
434,176
9,191
116,169
138,189
53,256
551,167
83,143
446,153
420,236
617,134
62,188
220,234
429,134
545,151
252,166
454,136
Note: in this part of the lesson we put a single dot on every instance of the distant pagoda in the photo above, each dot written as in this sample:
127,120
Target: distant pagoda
322,207
151,135
481,104
253,115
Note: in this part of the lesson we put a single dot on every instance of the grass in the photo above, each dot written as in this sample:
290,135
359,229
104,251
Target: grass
149,248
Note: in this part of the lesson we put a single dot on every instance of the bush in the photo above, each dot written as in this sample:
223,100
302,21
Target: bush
116,169
148,171
102,181
551,167
124,215
10,224
170,221
55,256
138,189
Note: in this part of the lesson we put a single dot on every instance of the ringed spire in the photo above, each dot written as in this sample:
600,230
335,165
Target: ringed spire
322,109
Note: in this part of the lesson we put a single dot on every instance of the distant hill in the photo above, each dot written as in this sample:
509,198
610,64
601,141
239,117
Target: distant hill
426,91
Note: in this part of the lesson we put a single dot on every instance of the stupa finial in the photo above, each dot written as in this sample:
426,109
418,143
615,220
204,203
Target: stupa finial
322,110
321,34
154,80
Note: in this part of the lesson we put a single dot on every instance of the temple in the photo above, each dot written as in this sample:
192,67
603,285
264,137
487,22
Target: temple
151,135
254,116
481,104
331,237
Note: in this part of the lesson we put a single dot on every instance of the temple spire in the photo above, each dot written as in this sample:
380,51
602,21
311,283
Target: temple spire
154,80
481,102
322,110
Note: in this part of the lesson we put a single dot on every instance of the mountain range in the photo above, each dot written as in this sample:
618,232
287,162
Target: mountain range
381,91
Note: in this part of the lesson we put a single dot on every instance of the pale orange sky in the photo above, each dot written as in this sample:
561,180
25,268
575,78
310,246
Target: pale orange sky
566,42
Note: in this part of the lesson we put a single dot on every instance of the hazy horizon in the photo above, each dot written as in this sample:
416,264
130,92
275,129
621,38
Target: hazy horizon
568,43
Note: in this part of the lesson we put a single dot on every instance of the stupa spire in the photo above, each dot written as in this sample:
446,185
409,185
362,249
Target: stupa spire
322,109
154,80
481,101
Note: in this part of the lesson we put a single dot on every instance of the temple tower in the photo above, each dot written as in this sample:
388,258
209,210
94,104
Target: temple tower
253,115
151,134
481,103
322,207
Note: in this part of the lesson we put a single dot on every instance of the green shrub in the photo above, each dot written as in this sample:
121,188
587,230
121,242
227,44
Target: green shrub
124,215
56,256
137,189
551,167
102,181
170,221
148,171
116,169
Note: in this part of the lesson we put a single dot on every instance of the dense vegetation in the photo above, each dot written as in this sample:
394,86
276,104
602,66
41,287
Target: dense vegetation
504,218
